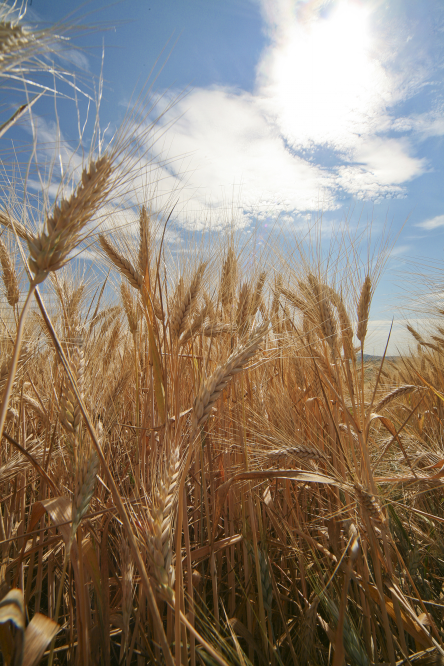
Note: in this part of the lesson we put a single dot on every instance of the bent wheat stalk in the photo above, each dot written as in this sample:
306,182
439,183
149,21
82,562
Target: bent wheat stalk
50,251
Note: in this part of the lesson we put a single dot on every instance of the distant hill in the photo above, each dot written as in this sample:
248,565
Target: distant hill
375,359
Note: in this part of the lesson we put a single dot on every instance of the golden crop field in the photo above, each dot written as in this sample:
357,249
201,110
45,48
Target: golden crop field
199,464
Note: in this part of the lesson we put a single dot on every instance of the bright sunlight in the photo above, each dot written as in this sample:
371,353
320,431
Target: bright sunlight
324,76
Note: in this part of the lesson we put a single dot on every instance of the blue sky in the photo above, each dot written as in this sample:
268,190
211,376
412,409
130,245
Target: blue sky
292,108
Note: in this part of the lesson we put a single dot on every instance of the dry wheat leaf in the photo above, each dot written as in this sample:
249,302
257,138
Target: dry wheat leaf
38,635
12,609
416,630
59,510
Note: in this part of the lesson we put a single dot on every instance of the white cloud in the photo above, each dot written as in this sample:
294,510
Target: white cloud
233,149
380,166
427,124
401,341
76,58
323,82
433,223
388,160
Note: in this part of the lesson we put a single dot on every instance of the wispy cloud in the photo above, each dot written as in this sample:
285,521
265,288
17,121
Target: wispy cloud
426,125
433,223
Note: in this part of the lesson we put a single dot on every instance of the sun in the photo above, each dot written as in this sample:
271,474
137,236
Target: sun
323,78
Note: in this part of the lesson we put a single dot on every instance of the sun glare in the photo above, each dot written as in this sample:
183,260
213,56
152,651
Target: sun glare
323,79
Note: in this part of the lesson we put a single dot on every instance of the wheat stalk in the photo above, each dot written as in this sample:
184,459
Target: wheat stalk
369,503
396,393
127,570
363,309
185,304
15,225
243,308
130,308
10,277
70,414
50,251
297,451
160,521
212,388
228,279
144,241
121,263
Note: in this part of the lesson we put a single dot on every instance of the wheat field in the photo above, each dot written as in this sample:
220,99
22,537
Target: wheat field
199,463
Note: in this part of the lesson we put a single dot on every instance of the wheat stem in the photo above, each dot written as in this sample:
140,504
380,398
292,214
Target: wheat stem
115,493
10,278
15,358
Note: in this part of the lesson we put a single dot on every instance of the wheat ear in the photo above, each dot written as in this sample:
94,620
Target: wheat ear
327,320
257,295
10,278
364,309
89,467
397,393
308,632
5,366
416,335
160,522
130,308
228,279
212,388
275,303
70,414
16,43
197,322
298,451
15,225
297,302
217,328
49,251
344,322
144,241
184,305
369,503
121,263
243,308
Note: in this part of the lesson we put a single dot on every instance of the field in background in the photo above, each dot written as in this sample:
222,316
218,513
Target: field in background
199,462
